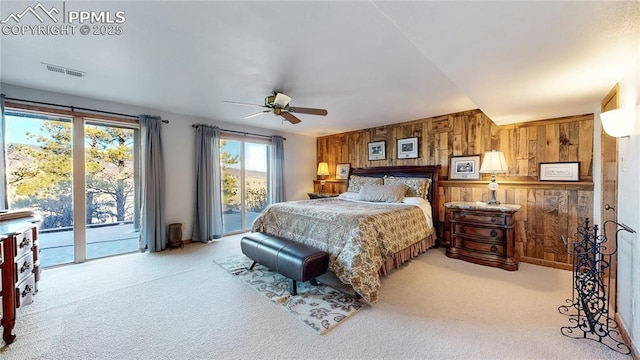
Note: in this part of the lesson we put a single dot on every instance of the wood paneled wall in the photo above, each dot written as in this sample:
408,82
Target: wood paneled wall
548,209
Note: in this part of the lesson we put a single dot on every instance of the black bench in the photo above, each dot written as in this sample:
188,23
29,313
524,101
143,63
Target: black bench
298,262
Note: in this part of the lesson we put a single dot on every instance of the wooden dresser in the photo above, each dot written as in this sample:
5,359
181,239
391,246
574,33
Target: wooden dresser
482,234
20,269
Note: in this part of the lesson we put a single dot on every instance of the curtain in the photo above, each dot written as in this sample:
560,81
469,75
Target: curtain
153,228
208,205
277,175
3,179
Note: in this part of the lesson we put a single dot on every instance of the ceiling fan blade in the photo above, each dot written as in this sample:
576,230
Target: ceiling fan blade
242,103
310,111
256,114
290,117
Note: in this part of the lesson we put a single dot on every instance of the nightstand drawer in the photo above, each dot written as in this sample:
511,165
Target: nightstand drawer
478,217
479,246
489,233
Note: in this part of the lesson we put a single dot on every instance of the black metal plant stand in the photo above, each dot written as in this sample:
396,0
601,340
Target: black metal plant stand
588,309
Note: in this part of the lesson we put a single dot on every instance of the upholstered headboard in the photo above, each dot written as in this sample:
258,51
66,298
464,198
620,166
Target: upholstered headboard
431,172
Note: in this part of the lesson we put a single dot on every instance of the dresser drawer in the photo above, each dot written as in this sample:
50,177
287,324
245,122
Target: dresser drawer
24,243
479,246
25,291
479,217
24,267
489,233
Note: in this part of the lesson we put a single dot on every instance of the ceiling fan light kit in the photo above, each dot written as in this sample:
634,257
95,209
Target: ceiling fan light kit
279,104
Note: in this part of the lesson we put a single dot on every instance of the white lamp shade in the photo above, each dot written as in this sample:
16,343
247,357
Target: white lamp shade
323,169
617,122
494,162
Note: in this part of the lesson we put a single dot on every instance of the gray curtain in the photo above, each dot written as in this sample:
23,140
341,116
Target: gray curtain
208,205
154,228
3,180
277,175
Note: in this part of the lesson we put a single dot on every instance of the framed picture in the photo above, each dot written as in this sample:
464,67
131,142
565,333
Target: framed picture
465,167
559,171
342,171
377,150
408,148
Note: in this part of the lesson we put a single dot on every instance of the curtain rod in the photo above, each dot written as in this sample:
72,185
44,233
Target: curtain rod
73,108
238,132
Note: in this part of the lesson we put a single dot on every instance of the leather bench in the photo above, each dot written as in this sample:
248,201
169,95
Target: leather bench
298,262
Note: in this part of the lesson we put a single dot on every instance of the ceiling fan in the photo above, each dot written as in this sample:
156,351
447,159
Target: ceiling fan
278,103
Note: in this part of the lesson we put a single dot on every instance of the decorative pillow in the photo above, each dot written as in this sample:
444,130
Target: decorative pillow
416,186
349,195
382,193
356,182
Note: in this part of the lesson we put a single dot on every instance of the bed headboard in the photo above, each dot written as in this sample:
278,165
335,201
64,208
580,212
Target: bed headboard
431,172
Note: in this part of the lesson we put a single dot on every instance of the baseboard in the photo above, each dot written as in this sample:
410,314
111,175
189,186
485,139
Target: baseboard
547,263
627,339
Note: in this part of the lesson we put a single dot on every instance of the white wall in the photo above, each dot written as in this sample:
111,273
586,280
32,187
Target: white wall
179,150
629,210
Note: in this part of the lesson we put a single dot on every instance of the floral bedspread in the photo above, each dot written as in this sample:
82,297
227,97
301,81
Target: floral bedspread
358,235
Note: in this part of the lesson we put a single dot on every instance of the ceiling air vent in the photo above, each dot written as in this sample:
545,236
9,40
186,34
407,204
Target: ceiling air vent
63,70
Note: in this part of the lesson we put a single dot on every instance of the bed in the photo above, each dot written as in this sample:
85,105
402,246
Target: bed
365,239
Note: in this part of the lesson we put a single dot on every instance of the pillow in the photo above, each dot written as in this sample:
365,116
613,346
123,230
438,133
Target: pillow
349,195
414,200
382,193
356,182
416,186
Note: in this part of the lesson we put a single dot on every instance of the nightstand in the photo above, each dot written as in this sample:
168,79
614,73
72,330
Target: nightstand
482,234
321,195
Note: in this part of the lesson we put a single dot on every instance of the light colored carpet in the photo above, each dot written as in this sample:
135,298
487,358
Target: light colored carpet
319,307
180,305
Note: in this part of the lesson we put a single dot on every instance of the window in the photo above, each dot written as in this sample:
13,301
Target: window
81,175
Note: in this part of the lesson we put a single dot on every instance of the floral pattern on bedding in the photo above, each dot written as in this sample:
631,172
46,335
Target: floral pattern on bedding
358,235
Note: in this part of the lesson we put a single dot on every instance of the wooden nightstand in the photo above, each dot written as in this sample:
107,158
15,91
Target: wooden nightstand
320,195
482,234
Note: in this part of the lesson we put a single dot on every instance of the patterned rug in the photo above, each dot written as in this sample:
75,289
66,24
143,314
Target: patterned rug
319,307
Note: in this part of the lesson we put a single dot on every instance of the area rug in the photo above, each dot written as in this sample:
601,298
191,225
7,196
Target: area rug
320,307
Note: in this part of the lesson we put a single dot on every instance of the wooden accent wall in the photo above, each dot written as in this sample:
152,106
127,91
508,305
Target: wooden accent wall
549,209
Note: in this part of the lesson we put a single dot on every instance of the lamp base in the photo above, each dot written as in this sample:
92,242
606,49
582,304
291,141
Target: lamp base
492,198
493,186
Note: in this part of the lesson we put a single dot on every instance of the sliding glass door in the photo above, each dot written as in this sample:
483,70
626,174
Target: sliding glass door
81,176
245,182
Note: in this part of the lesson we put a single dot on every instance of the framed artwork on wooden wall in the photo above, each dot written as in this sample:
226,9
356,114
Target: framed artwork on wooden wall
342,171
377,150
465,167
408,148
559,171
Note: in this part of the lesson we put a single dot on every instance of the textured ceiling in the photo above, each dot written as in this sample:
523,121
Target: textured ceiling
368,63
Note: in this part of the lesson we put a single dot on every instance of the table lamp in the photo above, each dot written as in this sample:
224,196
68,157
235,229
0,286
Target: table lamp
493,163
323,170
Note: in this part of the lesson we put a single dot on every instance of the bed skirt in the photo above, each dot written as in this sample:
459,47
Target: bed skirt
406,254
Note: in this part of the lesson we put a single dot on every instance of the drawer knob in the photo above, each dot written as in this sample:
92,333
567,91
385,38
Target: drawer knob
494,233
27,290
24,243
462,229
494,248
26,266
494,219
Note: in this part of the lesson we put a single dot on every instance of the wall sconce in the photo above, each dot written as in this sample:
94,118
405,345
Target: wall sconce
618,122
493,163
323,170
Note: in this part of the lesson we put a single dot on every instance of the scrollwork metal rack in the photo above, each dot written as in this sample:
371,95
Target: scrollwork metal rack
588,309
